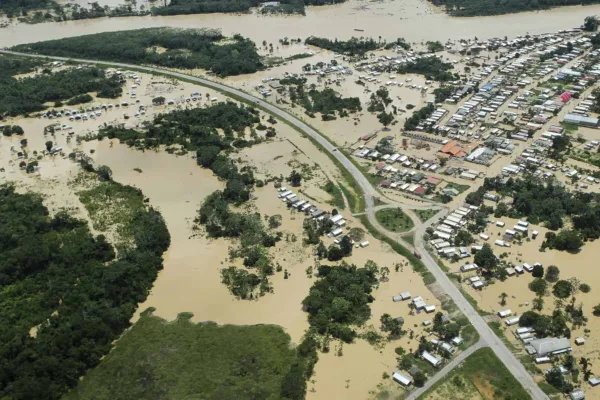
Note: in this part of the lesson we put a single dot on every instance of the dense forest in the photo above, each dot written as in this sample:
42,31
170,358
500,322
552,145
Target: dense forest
472,8
177,7
16,7
193,130
65,295
340,299
551,203
27,95
352,47
186,48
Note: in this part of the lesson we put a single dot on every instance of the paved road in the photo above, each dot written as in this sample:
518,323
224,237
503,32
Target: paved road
485,332
414,395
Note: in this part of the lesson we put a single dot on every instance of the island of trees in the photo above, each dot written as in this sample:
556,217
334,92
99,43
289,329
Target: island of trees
177,7
27,95
326,101
185,48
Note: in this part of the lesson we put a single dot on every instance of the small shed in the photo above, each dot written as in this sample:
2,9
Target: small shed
401,378
594,381
577,395
433,360
429,309
579,341
405,295
504,313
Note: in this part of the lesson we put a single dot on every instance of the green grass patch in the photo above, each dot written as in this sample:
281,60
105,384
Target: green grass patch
569,127
410,239
394,219
548,389
379,202
337,197
111,207
478,372
182,360
417,264
470,336
425,215
351,197
459,188
499,331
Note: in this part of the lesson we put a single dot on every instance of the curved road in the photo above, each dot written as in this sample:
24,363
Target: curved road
487,336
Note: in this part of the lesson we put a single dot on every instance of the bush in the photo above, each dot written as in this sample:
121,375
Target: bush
552,273
538,271
538,286
562,289
585,288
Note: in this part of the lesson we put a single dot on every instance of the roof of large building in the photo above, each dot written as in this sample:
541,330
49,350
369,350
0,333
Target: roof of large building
550,345
578,119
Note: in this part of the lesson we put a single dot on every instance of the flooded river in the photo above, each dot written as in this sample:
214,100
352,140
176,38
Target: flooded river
414,20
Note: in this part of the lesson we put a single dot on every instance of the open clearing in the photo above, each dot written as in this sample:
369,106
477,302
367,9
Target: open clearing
393,219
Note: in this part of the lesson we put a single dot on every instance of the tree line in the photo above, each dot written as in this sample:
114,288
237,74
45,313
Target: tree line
70,287
352,47
27,95
186,48
472,8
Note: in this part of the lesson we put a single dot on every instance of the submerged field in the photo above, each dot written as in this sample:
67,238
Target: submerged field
182,359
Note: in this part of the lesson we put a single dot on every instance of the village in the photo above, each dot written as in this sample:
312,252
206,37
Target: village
503,118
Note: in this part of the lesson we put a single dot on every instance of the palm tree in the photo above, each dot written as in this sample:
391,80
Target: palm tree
503,297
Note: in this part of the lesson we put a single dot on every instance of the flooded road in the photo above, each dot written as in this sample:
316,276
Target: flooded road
415,20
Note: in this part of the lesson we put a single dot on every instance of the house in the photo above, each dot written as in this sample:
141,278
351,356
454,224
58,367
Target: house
418,177
468,267
405,295
446,347
401,378
433,360
478,285
433,181
504,313
577,395
429,309
546,346
457,340
594,381
450,191
420,191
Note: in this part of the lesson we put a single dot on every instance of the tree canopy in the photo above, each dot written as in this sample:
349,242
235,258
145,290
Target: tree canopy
27,95
340,299
186,48
70,287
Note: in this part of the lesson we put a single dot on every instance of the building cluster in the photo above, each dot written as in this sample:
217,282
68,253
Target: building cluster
338,222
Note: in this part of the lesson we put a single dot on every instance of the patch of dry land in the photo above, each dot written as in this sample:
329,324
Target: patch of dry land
174,184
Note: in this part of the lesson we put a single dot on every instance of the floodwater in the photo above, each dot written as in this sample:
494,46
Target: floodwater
415,20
